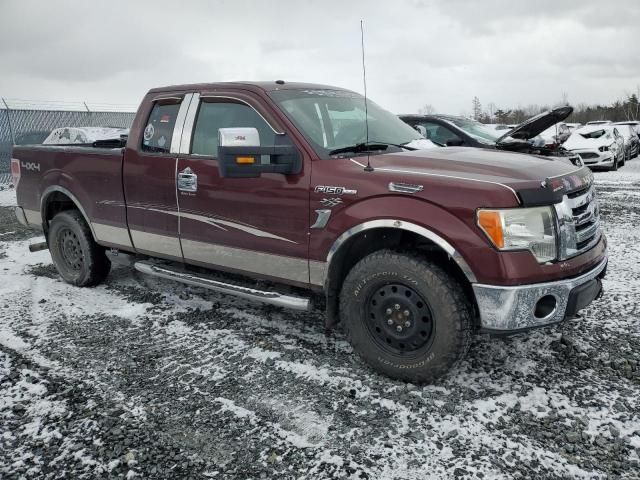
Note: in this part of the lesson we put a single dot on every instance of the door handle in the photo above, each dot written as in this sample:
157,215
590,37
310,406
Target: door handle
187,180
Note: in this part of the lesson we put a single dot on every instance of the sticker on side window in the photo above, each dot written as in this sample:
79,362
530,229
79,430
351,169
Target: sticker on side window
165,119
148,132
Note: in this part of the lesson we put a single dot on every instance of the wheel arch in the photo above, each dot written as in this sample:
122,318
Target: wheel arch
368,237
55,199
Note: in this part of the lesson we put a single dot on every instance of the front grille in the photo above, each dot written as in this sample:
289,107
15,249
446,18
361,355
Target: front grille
586,218
588,155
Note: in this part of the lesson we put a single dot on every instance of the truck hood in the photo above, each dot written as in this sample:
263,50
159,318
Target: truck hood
536,125
522,173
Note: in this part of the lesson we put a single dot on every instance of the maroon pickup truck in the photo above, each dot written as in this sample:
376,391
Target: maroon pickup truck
287,190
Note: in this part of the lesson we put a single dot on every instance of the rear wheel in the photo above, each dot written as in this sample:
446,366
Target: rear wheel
78,258
405,316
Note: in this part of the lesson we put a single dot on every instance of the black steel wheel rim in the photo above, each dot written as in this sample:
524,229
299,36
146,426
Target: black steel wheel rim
70,249
399,319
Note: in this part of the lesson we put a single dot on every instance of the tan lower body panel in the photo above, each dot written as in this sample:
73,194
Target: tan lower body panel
112,235
152,242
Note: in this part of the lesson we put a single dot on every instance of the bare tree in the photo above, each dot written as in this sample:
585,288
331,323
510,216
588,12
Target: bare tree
476,108
427,109
492,110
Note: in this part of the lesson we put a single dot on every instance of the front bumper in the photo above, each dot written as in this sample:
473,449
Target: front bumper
511,309
595,158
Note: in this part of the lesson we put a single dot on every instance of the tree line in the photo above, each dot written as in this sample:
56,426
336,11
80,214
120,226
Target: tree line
622,109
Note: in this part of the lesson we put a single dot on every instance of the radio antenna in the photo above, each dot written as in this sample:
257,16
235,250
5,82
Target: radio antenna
368,168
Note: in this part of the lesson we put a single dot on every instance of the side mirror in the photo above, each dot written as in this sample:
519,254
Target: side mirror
240,155
421,130
455,142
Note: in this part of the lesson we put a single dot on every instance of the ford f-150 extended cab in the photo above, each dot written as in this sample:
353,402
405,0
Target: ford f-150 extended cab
287,190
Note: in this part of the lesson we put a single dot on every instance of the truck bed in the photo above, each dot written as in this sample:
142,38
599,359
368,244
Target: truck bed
91,174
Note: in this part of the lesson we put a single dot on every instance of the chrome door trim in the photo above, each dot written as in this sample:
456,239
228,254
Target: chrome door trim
411,227
190,120
179,124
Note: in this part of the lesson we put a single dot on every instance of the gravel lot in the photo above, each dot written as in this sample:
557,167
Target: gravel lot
150,379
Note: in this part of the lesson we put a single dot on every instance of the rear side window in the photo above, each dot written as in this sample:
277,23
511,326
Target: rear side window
159,129
215,115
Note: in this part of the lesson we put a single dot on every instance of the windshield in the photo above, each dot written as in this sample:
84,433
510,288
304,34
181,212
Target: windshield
593,134
477,130
333,119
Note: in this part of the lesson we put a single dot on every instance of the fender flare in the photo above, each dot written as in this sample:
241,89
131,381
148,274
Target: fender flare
56,188
408,226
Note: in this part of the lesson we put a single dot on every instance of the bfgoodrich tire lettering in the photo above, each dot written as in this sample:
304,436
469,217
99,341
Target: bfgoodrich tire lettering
78,258
405,316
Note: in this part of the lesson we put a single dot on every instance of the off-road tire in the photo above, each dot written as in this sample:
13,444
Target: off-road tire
451,322
79,260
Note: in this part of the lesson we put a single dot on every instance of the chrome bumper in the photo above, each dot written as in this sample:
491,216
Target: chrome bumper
504,309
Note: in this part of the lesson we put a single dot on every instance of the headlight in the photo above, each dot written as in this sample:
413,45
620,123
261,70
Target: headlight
530,229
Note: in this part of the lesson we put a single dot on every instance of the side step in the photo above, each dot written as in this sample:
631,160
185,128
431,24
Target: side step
189,278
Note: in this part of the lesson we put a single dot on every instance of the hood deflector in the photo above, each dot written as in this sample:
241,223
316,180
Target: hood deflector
553,189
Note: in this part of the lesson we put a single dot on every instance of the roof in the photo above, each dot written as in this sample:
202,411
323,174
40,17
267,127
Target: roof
266,86
432,115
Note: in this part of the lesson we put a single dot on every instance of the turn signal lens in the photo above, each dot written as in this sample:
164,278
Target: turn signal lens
245,160
491,222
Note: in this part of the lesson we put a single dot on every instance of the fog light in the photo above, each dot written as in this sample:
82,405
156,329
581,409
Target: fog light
545,307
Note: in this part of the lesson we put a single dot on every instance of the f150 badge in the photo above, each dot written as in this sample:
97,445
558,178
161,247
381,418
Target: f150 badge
334,190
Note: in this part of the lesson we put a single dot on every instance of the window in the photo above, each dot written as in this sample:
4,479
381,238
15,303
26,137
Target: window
215,115
437,133
331,119
159,130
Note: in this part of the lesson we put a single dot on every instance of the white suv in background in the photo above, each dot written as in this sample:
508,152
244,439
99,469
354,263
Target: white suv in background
599,146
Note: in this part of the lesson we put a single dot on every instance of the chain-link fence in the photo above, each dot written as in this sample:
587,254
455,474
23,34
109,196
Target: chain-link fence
24,122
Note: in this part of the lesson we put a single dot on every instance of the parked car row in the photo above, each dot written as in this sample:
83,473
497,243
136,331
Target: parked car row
447,130
598,144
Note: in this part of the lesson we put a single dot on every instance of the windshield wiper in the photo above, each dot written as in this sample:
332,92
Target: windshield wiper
371,146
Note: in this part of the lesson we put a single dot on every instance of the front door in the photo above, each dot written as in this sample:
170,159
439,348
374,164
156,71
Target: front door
254,225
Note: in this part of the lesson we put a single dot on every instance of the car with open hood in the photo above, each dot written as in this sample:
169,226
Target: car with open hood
601,146
448,130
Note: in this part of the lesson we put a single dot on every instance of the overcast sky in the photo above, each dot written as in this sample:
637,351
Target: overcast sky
507,52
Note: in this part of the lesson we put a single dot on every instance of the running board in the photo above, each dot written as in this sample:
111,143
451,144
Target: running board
272,298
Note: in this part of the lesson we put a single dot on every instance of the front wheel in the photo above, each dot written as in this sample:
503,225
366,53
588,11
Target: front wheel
614,167
78,258
405,316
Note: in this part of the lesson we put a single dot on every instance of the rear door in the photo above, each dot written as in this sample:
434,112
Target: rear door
149,178
254,225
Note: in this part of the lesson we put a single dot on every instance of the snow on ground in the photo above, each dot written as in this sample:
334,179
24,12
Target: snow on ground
7,196
142,377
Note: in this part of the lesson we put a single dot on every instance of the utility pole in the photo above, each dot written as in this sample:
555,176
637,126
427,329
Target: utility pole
13,138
